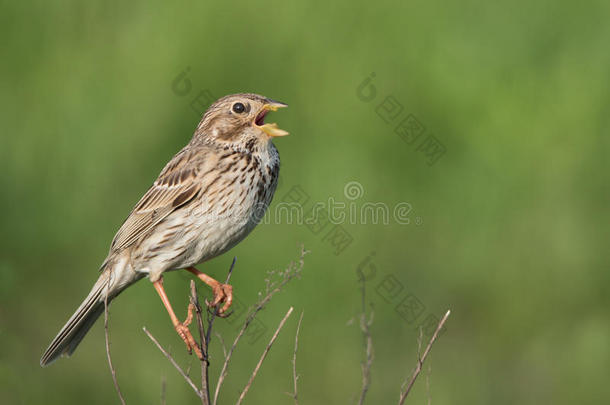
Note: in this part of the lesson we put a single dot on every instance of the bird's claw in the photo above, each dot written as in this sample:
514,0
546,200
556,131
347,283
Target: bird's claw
184,333
223,293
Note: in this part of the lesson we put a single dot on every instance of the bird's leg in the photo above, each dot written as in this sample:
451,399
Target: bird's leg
222,292
181,327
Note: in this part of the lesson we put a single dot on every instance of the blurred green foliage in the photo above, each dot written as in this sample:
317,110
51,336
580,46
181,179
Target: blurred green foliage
514,216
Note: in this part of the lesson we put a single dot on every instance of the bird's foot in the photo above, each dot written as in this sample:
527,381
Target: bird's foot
222,293
185,333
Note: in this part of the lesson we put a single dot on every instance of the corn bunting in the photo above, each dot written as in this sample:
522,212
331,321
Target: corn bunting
207,199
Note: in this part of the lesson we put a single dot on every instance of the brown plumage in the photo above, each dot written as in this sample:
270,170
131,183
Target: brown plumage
208,198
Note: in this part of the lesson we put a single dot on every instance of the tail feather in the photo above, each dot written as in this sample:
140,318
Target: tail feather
79,324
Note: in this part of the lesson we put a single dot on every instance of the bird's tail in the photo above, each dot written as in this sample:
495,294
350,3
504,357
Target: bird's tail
83,319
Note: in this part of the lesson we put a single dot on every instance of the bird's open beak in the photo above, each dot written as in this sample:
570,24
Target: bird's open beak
270,129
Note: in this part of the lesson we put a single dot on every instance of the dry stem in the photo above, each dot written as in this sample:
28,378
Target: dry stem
420,360
205,397
163,388
258,365
368,344
204,337
112,371
174,363
295,376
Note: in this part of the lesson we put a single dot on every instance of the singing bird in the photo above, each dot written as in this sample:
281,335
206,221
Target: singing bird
207,199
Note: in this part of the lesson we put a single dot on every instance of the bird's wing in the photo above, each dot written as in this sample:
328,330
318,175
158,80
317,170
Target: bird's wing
177,185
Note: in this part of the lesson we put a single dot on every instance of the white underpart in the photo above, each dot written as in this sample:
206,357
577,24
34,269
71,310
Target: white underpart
213,232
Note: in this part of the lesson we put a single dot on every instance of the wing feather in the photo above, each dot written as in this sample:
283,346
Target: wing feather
177,185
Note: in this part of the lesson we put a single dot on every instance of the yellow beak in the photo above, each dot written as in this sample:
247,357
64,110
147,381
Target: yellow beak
272,129
273,105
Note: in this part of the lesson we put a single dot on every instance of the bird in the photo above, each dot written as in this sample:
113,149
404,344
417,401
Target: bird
206,200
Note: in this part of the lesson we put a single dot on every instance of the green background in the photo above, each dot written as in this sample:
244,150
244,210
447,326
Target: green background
509,228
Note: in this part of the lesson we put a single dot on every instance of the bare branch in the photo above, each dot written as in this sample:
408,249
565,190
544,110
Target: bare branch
247,387
112,371
163,388
272,287
222,344
205,392
295,377
368,345
205,338
208,336
171,359
428,384
420,360
188,369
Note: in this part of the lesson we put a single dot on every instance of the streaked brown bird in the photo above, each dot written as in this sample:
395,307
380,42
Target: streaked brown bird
207,199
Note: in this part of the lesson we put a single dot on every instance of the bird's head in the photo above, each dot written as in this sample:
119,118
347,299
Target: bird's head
239,118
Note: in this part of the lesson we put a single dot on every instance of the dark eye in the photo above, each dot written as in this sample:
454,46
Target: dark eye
238,108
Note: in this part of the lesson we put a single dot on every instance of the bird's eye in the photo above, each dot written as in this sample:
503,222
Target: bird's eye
238,108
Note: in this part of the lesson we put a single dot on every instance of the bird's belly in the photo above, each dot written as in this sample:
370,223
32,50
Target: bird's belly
216,239
181,243
209,225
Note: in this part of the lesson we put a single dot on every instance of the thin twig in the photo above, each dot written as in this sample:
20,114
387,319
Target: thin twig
293,270
428,384
205,337
295,377
171,359
205,392
208,336
420,341
368,344
222,343
420,360
188,368
258,365
163,388
112,371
